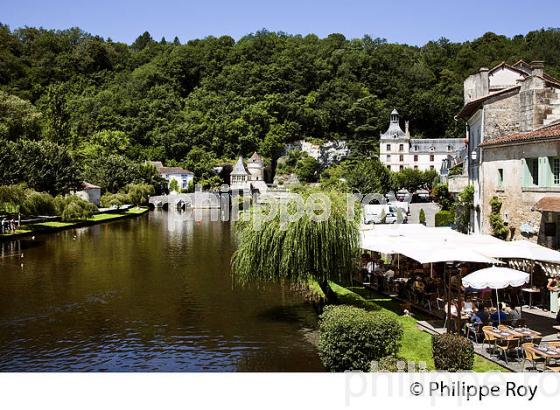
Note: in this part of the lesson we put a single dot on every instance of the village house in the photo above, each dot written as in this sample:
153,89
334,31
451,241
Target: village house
512,115
398,150
89,192
182,176
250,178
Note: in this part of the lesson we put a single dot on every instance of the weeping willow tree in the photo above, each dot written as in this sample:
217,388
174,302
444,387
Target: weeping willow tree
300,250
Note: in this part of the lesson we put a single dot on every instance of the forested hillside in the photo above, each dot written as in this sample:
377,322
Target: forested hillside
97,109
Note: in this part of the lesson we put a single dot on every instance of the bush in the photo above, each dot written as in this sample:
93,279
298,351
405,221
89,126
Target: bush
499,227
351,338
422,216
444,218
452,352
38,203
139,193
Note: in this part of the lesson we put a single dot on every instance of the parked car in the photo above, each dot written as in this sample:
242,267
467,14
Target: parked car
374,214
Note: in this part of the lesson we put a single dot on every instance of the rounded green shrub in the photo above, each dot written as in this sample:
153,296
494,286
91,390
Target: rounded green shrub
452,352
392,364
38,203
351,338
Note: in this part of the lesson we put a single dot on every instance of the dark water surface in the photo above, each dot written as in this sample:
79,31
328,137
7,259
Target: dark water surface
153,293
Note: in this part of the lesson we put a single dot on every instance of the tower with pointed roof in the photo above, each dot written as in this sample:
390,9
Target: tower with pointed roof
255,166
239,176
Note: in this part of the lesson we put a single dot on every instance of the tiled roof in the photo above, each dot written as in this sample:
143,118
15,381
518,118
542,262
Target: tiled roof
173,170
87,185
549,132
548,204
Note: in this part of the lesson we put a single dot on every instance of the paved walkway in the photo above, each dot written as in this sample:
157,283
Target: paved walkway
430,209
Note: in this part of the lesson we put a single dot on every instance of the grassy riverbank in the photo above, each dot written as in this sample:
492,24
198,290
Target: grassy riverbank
416,344
54,226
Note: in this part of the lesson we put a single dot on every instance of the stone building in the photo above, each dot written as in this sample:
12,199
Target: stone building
398,150
511,114
250,178
183,177
523,171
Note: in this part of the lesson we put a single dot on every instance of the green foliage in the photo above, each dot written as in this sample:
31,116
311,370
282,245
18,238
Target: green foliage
441,195
463,207
174,186
452,352
19,119
307,169
38,203
367,176
223,97
444,218
109,200
73,208
298,250
12,198
351,338
422,216
413,179
139,193
499,227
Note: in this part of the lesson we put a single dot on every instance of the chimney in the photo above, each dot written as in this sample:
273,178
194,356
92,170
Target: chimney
406,129
537,68
484,82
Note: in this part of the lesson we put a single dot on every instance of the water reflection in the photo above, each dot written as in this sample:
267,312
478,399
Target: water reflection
150,294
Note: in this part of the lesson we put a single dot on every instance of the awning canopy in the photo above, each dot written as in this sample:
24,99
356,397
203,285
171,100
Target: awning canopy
495,278
427,245
548,204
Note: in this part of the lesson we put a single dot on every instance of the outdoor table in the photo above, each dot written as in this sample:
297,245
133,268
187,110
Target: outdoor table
530,291
525,332
504,334
548,352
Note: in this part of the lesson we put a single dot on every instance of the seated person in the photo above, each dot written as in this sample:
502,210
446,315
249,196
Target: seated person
389,274
418,285
497,316
469,305
512,313
453,309
480,315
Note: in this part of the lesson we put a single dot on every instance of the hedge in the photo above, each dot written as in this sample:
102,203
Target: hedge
445,218
351,338
452,352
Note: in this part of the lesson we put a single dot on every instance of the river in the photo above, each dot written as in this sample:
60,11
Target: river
154,293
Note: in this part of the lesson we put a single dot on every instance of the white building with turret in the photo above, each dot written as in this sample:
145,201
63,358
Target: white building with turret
248,178
398,150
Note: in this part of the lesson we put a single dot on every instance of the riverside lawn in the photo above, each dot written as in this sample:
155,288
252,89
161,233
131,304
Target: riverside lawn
416,345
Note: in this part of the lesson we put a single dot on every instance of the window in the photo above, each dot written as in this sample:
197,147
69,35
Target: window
555,168
389,167
449,148
401,147
500,178
432,167
431,157
416,158
388,158
401,167
416,148
415,166
531,174
401,158
388,147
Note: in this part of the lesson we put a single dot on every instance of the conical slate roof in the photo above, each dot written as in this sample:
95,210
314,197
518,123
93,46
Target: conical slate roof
255,158
239,168
394,130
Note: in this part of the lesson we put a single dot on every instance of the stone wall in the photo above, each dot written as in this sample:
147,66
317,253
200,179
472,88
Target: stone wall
501,116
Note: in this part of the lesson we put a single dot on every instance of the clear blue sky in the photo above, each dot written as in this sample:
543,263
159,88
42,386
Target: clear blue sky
403,21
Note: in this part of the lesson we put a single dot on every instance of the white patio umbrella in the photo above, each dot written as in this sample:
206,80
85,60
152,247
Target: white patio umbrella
495,278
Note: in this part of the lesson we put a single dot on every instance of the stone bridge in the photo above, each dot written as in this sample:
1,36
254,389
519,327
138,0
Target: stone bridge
198,200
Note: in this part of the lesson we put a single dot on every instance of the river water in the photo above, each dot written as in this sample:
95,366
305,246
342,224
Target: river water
153,293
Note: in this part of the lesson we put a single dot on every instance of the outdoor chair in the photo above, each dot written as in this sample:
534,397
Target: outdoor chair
507,345
489,338
528,355
475,330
